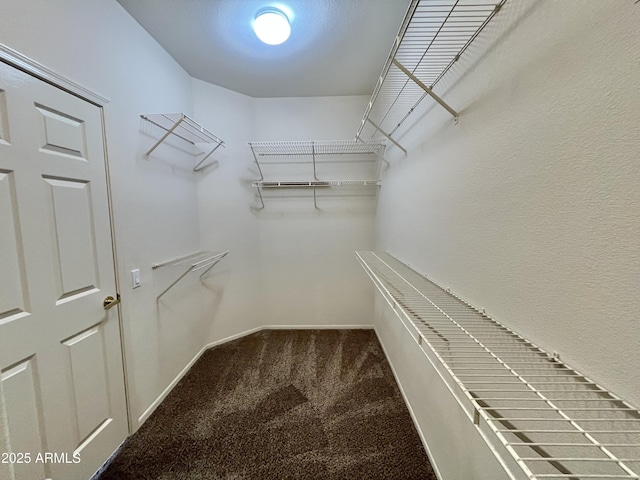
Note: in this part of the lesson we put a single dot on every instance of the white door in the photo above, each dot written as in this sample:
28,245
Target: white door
62,401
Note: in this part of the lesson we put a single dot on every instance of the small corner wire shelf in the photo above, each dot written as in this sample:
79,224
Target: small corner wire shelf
314,153
272,151
433,36
542,418
184,127
194,262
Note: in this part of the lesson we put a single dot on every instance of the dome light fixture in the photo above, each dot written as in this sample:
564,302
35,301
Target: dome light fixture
272,26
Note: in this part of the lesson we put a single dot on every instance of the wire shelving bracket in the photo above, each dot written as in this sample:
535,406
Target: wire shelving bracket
203,260
541,418
433,36
184,127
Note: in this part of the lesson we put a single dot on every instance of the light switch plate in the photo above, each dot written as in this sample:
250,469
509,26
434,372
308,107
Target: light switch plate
135,278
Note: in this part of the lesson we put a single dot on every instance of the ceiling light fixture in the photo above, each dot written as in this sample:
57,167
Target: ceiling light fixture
272,26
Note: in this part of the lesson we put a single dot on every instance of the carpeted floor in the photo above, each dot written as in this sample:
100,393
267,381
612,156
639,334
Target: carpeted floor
280,404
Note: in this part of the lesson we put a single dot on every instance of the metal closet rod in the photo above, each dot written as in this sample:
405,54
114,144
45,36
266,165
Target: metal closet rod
196,261
312,185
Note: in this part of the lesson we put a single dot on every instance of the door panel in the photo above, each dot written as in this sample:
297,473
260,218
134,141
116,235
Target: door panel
13,291
4,132
62,134
24,416
90,387
76,255
60,353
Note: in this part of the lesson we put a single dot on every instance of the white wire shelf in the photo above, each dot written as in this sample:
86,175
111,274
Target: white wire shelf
185,128
542,418
433,36
298,161
194,262
315,152
323,150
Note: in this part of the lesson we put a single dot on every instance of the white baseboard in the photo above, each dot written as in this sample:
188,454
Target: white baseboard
229,339
317,327
150,409
285,327
236,336
411,412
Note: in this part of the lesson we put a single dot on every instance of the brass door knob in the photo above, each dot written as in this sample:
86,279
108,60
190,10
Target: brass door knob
110,302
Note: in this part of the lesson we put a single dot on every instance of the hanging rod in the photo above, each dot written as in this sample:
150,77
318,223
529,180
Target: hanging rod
185,128
318,184
338,185
194,262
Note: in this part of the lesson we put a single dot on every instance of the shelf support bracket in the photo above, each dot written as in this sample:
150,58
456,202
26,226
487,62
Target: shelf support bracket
358,139
197,168
210,261
208,267
255,157
164,137
198,133
313,155
387,136
261,199
427,90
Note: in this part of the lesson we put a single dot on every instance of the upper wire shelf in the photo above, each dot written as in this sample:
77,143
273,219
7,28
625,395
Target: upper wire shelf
268,151
184,127
543,418
433,36
312,153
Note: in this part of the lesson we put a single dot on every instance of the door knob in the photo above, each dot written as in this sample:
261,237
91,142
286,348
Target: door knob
110,301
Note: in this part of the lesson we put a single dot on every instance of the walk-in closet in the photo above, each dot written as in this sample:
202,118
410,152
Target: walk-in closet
334,239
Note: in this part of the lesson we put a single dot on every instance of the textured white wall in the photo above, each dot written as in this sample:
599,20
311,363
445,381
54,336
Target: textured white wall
309,272
290,264
97,44
285,268
530,207
234,296
308,118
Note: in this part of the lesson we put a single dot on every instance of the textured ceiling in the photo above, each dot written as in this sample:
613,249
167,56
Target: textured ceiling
337,47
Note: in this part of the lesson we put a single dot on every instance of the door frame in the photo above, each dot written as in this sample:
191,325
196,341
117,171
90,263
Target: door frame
35,69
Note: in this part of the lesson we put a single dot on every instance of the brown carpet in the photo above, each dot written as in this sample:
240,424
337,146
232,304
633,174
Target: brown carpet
280,404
